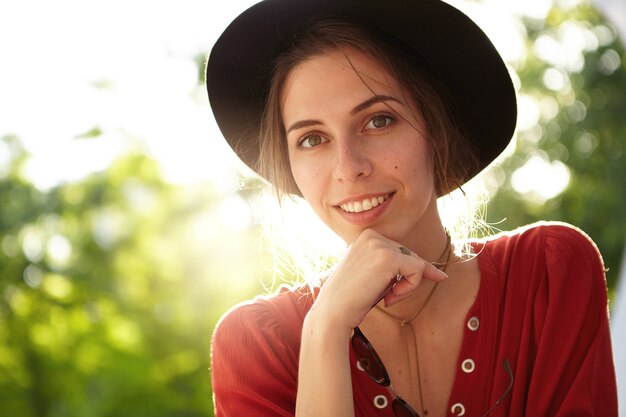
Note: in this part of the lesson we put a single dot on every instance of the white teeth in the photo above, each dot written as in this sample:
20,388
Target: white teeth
364,205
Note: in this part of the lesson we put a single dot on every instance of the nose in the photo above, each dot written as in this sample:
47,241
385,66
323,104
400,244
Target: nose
351,161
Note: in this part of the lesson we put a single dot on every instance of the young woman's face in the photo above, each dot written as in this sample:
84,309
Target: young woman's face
358,149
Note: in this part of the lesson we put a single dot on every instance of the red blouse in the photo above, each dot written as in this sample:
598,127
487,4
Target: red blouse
542,305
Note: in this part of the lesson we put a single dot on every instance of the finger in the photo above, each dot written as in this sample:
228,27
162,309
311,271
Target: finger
405,286
419,269
401,291
392,283
429,271
432,273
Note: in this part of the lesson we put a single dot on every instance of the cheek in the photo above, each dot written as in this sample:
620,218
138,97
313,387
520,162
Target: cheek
417,165
307,178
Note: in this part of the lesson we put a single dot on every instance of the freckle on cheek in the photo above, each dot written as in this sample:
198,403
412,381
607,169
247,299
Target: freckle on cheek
396,167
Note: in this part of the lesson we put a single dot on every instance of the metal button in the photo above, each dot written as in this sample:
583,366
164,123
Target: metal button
458,409
380,401
473,323
468,366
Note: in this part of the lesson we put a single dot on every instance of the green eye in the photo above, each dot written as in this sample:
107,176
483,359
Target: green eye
311,141
379,122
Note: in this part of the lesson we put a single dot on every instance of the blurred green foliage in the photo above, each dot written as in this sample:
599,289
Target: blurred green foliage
109,290
110,287
582,124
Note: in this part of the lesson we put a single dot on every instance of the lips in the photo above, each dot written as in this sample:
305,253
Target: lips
364,204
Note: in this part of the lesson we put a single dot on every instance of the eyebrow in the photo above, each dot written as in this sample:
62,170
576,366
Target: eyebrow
358,108
371,102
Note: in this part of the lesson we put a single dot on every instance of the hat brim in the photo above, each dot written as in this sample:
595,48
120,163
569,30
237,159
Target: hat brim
458,51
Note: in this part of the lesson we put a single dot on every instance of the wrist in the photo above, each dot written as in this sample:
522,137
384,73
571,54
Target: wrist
326,326
324,377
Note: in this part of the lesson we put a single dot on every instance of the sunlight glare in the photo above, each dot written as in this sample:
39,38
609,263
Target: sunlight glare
69,160
554,79
566,49
235,213
5,158
528,112
540,180
505,30
131,74
32,243
549,108
59,250
535,9
569,4
295,228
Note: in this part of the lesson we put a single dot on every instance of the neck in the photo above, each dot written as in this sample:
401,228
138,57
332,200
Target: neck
411,308
428,238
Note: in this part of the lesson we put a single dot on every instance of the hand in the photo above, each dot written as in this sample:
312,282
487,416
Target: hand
364,275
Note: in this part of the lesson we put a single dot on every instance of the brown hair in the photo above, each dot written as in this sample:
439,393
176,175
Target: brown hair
453,156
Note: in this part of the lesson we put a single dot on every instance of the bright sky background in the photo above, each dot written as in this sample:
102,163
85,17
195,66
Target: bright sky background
126,67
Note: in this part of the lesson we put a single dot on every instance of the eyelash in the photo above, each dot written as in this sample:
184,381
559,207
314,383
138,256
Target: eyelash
308,136
390,120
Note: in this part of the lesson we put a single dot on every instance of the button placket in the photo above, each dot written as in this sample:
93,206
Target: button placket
468,365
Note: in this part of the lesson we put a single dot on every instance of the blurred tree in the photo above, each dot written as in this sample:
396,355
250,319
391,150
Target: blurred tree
575,76
109,290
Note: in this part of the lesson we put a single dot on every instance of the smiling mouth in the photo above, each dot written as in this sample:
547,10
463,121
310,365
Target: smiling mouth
364,205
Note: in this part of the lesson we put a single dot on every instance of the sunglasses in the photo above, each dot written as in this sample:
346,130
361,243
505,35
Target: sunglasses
375,369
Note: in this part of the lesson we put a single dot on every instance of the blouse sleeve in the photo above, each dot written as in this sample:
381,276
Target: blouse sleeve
573,374
254,372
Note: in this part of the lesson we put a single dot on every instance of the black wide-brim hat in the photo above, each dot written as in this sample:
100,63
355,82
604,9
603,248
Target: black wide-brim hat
457,50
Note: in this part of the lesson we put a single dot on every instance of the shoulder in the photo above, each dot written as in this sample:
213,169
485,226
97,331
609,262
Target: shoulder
554,314
549,260
557,244
567,246
254,354
272,319
538,229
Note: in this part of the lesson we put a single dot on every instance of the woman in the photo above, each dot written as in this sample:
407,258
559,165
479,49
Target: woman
370,111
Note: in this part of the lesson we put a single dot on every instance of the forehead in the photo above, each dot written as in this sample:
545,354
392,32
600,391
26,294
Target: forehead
342,74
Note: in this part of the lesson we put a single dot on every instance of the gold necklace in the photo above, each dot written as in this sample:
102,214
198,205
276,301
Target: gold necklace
441,264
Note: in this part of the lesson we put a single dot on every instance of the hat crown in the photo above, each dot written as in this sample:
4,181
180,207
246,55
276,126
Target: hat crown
238,69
